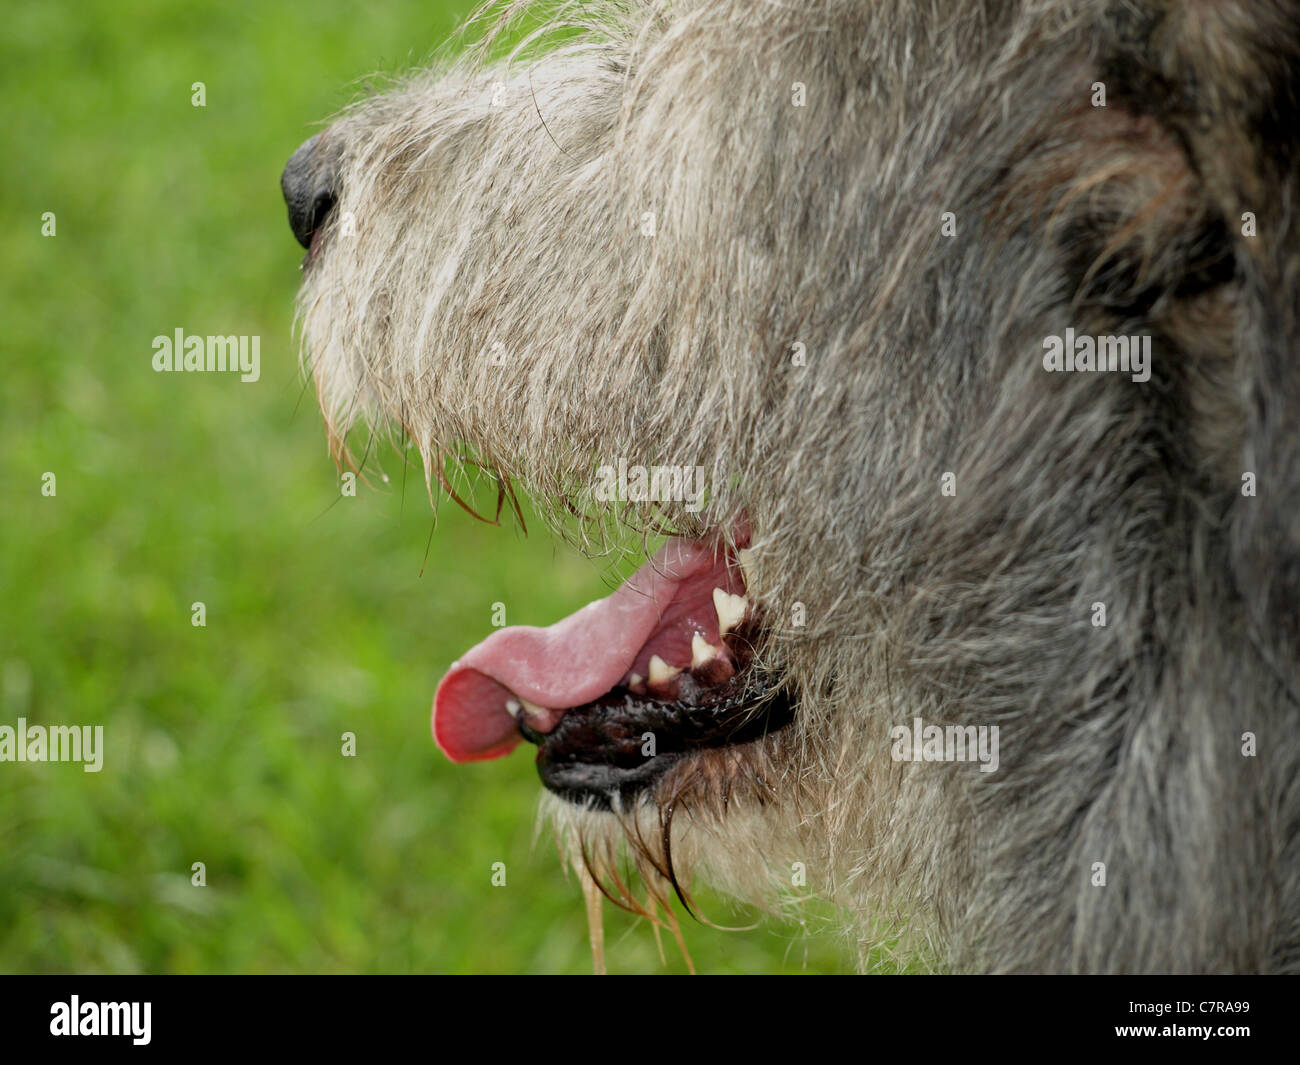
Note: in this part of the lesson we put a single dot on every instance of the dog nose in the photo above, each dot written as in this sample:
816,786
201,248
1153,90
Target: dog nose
310,187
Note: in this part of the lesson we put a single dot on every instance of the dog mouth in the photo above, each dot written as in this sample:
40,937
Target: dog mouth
624,689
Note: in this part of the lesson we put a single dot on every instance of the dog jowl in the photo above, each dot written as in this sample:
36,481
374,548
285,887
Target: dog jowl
817,254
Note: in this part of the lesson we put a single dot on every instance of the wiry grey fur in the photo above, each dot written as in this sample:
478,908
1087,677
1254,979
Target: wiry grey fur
499,290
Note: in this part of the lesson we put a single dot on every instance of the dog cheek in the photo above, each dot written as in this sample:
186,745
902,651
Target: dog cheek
1225,80
1266,530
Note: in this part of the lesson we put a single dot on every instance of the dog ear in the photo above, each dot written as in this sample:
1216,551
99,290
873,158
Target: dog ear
1224,79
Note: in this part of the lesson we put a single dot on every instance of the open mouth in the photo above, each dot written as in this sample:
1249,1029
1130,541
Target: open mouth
619,692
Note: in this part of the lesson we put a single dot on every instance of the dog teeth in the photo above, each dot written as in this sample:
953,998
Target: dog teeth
709,665
731,610
702,652
535,715
636,683
660,671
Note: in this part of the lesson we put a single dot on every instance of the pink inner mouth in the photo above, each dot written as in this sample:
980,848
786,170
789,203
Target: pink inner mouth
657,611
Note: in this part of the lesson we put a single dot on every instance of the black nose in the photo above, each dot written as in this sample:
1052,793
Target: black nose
310,186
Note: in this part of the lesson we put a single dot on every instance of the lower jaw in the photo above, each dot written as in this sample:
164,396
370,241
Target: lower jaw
611,752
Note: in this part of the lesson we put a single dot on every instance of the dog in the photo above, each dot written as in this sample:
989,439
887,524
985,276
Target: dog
955,347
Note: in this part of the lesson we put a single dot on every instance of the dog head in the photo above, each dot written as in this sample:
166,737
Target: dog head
921,329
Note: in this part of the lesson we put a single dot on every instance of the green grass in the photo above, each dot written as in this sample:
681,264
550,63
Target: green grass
223,742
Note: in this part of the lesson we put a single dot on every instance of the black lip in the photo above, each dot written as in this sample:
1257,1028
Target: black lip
595,752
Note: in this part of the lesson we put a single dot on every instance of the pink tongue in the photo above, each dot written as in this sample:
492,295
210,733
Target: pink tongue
566,664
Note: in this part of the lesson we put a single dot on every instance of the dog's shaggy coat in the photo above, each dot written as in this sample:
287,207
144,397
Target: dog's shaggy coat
816,248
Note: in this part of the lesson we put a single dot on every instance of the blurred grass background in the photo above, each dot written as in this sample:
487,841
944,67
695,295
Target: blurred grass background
223,742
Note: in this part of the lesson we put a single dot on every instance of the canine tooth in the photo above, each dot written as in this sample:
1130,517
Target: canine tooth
660,671
731,609
702,652
513,708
